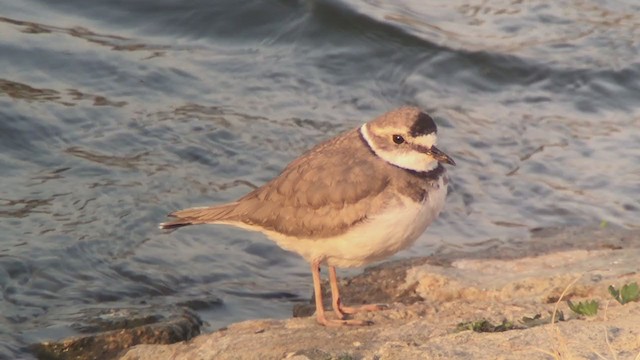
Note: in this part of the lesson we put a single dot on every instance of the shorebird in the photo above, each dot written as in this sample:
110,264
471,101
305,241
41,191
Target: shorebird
354,199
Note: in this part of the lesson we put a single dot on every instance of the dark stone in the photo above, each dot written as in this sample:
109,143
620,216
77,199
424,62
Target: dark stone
200,304
115,330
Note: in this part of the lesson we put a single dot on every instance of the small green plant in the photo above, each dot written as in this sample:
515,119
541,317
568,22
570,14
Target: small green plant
538,319
345,357
586,308
485,326
628,293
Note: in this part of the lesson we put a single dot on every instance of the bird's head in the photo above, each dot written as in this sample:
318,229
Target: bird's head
405,137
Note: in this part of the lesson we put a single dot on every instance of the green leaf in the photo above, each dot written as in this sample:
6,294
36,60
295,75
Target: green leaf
586,308
628,293
615,293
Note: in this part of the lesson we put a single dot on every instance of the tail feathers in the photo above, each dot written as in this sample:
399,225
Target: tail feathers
198,215
170,225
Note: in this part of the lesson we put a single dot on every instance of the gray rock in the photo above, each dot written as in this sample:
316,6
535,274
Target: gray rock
510,283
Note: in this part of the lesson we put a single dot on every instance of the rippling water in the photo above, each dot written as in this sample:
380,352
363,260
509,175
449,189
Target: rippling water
114,113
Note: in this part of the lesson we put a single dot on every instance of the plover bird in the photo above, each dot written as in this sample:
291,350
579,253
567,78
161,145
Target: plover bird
357,198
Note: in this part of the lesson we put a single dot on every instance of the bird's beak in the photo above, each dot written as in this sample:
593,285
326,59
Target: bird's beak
440,156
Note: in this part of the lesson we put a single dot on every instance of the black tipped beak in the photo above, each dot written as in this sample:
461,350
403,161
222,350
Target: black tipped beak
440,156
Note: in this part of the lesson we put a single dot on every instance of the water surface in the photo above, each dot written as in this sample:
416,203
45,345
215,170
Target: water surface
114,113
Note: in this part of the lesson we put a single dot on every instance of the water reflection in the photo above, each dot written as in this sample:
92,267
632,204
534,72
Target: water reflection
114,42
69,97
557,32
129,162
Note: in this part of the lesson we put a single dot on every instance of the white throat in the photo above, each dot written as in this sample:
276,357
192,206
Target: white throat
412,160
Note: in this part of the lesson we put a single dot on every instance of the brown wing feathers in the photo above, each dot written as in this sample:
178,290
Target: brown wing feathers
198,215
321,194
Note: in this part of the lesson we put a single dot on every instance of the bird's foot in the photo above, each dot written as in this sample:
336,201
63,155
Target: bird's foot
362,308
341,310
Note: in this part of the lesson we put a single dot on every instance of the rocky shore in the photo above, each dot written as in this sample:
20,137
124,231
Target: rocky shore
505,302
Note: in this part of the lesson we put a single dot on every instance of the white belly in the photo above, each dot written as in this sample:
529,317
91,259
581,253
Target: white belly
373,240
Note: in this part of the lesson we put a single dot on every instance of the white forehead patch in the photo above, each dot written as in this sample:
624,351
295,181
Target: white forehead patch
412,160
426,140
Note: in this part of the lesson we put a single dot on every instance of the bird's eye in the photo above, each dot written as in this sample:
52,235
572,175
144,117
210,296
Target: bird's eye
398,139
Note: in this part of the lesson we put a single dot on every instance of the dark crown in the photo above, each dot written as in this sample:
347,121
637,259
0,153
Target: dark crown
423,125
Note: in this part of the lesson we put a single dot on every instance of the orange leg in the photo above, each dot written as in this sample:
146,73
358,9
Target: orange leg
320,317
336,302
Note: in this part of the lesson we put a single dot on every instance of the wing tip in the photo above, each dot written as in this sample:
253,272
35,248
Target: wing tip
173,225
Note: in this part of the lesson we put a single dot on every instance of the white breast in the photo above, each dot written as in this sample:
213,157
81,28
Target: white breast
382,236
